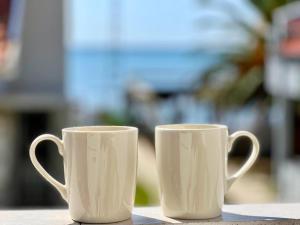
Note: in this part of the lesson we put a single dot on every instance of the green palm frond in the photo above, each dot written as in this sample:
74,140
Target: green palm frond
248,61
267,7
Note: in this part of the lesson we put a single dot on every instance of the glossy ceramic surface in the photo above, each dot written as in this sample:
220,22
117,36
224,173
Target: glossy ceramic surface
100,166
192,167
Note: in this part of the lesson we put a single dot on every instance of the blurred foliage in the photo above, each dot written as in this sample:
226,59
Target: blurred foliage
267,7
243,66
111,118
142,197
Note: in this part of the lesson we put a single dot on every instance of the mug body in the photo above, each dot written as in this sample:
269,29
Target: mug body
100,165
191,162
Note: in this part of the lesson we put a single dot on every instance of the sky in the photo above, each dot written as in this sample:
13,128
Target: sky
144,23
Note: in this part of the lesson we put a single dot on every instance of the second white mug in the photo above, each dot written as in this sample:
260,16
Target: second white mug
192,168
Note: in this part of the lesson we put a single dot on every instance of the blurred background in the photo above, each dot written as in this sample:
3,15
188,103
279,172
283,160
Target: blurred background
144,63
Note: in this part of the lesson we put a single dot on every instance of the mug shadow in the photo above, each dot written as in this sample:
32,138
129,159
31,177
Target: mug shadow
135,220
239,217
233,217
225,217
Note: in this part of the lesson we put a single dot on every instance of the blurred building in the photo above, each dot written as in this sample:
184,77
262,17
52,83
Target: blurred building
31,97
283,82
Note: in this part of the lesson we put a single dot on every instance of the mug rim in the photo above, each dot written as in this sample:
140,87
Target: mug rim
99,129
190,127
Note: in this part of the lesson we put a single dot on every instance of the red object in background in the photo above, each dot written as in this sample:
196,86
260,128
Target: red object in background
4,10
294,28
4,16
290,46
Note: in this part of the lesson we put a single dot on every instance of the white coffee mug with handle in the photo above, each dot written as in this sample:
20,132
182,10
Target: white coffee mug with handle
100,165
192,168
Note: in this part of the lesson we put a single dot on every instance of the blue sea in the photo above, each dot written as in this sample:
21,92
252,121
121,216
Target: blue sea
99,78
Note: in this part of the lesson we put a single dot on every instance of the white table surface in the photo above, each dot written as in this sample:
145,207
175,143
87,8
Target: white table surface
232,214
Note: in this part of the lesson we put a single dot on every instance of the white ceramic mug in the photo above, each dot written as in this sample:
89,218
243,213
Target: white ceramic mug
192,168
100,165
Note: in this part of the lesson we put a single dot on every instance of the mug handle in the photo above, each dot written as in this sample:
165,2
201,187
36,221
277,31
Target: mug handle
59,186
250,161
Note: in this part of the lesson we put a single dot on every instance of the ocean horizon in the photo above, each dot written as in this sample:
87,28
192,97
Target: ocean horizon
100,77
